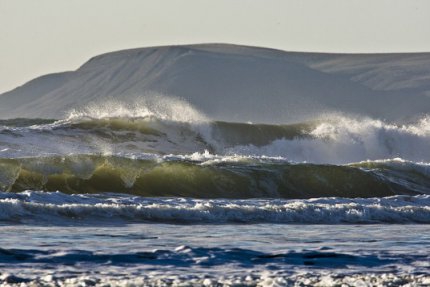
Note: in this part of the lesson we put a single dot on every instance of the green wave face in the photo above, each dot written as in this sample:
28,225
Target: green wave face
156,157
200,179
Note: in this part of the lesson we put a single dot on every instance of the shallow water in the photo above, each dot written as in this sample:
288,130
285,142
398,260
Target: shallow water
252,254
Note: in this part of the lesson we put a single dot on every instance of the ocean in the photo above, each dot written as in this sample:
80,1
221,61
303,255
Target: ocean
130,196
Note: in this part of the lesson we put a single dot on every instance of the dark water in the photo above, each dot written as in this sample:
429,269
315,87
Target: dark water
196,255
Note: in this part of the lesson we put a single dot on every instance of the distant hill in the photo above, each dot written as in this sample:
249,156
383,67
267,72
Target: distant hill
237,83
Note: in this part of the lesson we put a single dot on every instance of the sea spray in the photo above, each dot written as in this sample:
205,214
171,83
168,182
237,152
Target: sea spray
340,140
156,106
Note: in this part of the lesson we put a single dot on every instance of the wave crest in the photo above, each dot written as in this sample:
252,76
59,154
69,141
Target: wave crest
156,106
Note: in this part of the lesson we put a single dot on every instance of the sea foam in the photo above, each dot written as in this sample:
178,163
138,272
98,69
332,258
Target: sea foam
59,208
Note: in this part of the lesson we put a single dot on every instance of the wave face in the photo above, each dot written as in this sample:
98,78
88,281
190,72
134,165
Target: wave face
207,176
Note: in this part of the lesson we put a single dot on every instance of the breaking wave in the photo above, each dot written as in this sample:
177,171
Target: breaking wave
167,148
328,140
60,208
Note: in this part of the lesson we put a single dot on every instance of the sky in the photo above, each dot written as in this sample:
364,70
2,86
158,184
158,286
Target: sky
46,36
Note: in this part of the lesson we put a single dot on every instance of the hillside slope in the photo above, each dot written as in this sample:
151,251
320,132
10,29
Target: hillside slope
236,83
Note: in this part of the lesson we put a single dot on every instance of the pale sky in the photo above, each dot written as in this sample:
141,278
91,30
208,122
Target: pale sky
46,36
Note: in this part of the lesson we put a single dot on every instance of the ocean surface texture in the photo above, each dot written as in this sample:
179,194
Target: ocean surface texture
157,192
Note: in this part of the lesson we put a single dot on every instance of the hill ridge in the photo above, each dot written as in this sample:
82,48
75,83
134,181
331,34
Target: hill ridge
236,83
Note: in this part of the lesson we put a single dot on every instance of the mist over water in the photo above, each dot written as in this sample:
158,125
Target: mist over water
155,105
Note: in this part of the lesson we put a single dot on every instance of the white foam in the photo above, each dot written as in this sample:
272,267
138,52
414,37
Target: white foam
58,208
341,140
263,279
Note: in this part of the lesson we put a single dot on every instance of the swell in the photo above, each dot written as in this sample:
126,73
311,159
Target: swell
207,176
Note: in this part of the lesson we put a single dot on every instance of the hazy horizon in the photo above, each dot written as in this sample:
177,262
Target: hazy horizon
50,36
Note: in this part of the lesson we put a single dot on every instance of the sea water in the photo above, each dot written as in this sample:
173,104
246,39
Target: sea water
216,254
137,197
